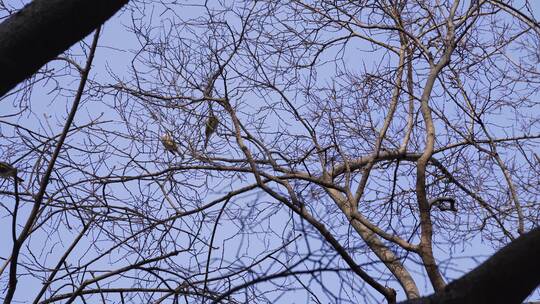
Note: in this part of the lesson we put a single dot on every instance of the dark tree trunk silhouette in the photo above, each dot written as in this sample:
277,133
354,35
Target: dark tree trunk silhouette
42,30
509,276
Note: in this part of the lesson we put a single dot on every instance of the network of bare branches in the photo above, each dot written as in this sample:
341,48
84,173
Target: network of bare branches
274,152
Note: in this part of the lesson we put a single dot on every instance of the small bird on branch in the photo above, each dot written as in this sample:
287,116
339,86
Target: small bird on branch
169,144
7,171
211,127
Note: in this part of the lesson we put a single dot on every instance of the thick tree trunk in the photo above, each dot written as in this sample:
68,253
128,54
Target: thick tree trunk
509,276
42,30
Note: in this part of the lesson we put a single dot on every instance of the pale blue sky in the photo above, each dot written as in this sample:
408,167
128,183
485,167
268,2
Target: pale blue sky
49,111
